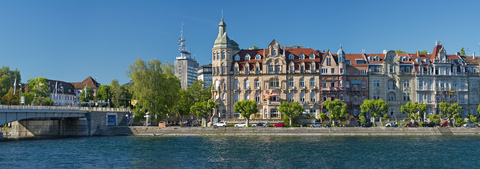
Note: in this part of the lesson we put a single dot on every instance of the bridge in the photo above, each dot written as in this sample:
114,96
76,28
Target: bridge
59,120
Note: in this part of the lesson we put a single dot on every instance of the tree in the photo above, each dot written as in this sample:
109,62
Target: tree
7,78
204,109
155,86
37,87
322,116
333,108
361,116
246,108
199,91
291,110
448,111
184,104
10,98
472,118
400,51
462,52
88,96
414,110
424,52
42,101
103,93
344,112
375,107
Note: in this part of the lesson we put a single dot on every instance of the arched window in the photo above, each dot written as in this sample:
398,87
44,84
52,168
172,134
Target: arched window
258,57
247,84
302,56
236,98
312,97
247,57
312,56
291,57
223,54
247,68
237,58
214,56
274,84
377,58
247,96
302,97
223,96
312,82
291,97
370,58
257,97
235,84
217,85
257,84
302,83
391,96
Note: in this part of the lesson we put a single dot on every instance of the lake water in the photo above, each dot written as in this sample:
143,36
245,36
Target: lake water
244,152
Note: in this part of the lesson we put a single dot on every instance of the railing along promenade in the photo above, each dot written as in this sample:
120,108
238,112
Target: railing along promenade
63,108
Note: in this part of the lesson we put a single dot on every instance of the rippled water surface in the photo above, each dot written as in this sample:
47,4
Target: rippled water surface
243,152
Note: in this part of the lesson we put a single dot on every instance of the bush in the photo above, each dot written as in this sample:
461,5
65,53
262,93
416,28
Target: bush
420,124
342,124
308,125
231,125
434,118
385,116
459,121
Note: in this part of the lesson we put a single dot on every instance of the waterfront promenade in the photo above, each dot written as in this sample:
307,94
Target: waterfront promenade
287,131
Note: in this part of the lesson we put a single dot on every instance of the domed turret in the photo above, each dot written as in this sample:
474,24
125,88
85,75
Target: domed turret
341,55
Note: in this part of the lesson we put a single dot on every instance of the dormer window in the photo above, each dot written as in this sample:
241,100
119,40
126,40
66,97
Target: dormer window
247,57
237,58
258,57
312,56
370,58
407,59
291,57
377,58
302,56
348,62
274,52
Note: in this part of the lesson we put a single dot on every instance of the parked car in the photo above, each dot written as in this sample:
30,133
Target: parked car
220,124
329,124
430,124
316,125
279,124
445,124
302,125
352,124
240,125
260,124
368,124
410,124
391,124
469,124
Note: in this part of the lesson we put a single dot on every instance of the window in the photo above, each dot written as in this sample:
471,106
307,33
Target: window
257,84
364,97
347,84
270,69
291,57
273,113
312,56
407,69
347,62
341,70
247,68
332,83
258,57
333,71
302,56
247,57
291,69
324,97
355,98
247,84
406,96
406,83
237,58
329,61
376,96
223,69
312,68
302,83
274,52
247,96
376,83
324,70
355,72
235,84
277,69
257,97
223,54
312,82
341,97
348,72
392,69
274,83
236,98
291,98
359,62
235,70
324,84
332,97
302,97
347,98
363,72
290,83
364,84
215,56
391,85
312,97
257,70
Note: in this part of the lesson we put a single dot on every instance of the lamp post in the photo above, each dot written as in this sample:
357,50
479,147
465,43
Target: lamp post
63,95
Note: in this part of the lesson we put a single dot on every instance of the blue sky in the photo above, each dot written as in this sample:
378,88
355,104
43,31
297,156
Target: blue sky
71,40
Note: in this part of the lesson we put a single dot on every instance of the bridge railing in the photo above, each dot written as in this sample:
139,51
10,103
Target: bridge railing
103,109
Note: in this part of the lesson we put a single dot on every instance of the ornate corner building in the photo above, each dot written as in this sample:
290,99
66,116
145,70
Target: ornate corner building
296,74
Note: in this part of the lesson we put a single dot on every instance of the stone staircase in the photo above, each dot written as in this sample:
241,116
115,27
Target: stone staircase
445,131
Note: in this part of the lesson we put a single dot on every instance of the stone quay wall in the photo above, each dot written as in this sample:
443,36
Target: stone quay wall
287,131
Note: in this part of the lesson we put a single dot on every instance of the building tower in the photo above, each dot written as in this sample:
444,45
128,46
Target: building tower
222,52
185,66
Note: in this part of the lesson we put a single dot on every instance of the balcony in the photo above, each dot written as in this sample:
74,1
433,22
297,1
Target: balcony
330,88
302,87
291,87
313,87
247,87
258,88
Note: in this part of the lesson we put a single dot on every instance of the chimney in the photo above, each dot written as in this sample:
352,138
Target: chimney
384,51
418,53
473,55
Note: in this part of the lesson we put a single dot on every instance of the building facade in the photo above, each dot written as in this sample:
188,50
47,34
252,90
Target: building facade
185,67
62,93
205,74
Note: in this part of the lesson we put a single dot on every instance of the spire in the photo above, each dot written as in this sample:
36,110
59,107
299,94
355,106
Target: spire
222,40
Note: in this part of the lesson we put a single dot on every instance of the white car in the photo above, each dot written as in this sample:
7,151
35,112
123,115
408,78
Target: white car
220,124
391,124
240,125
